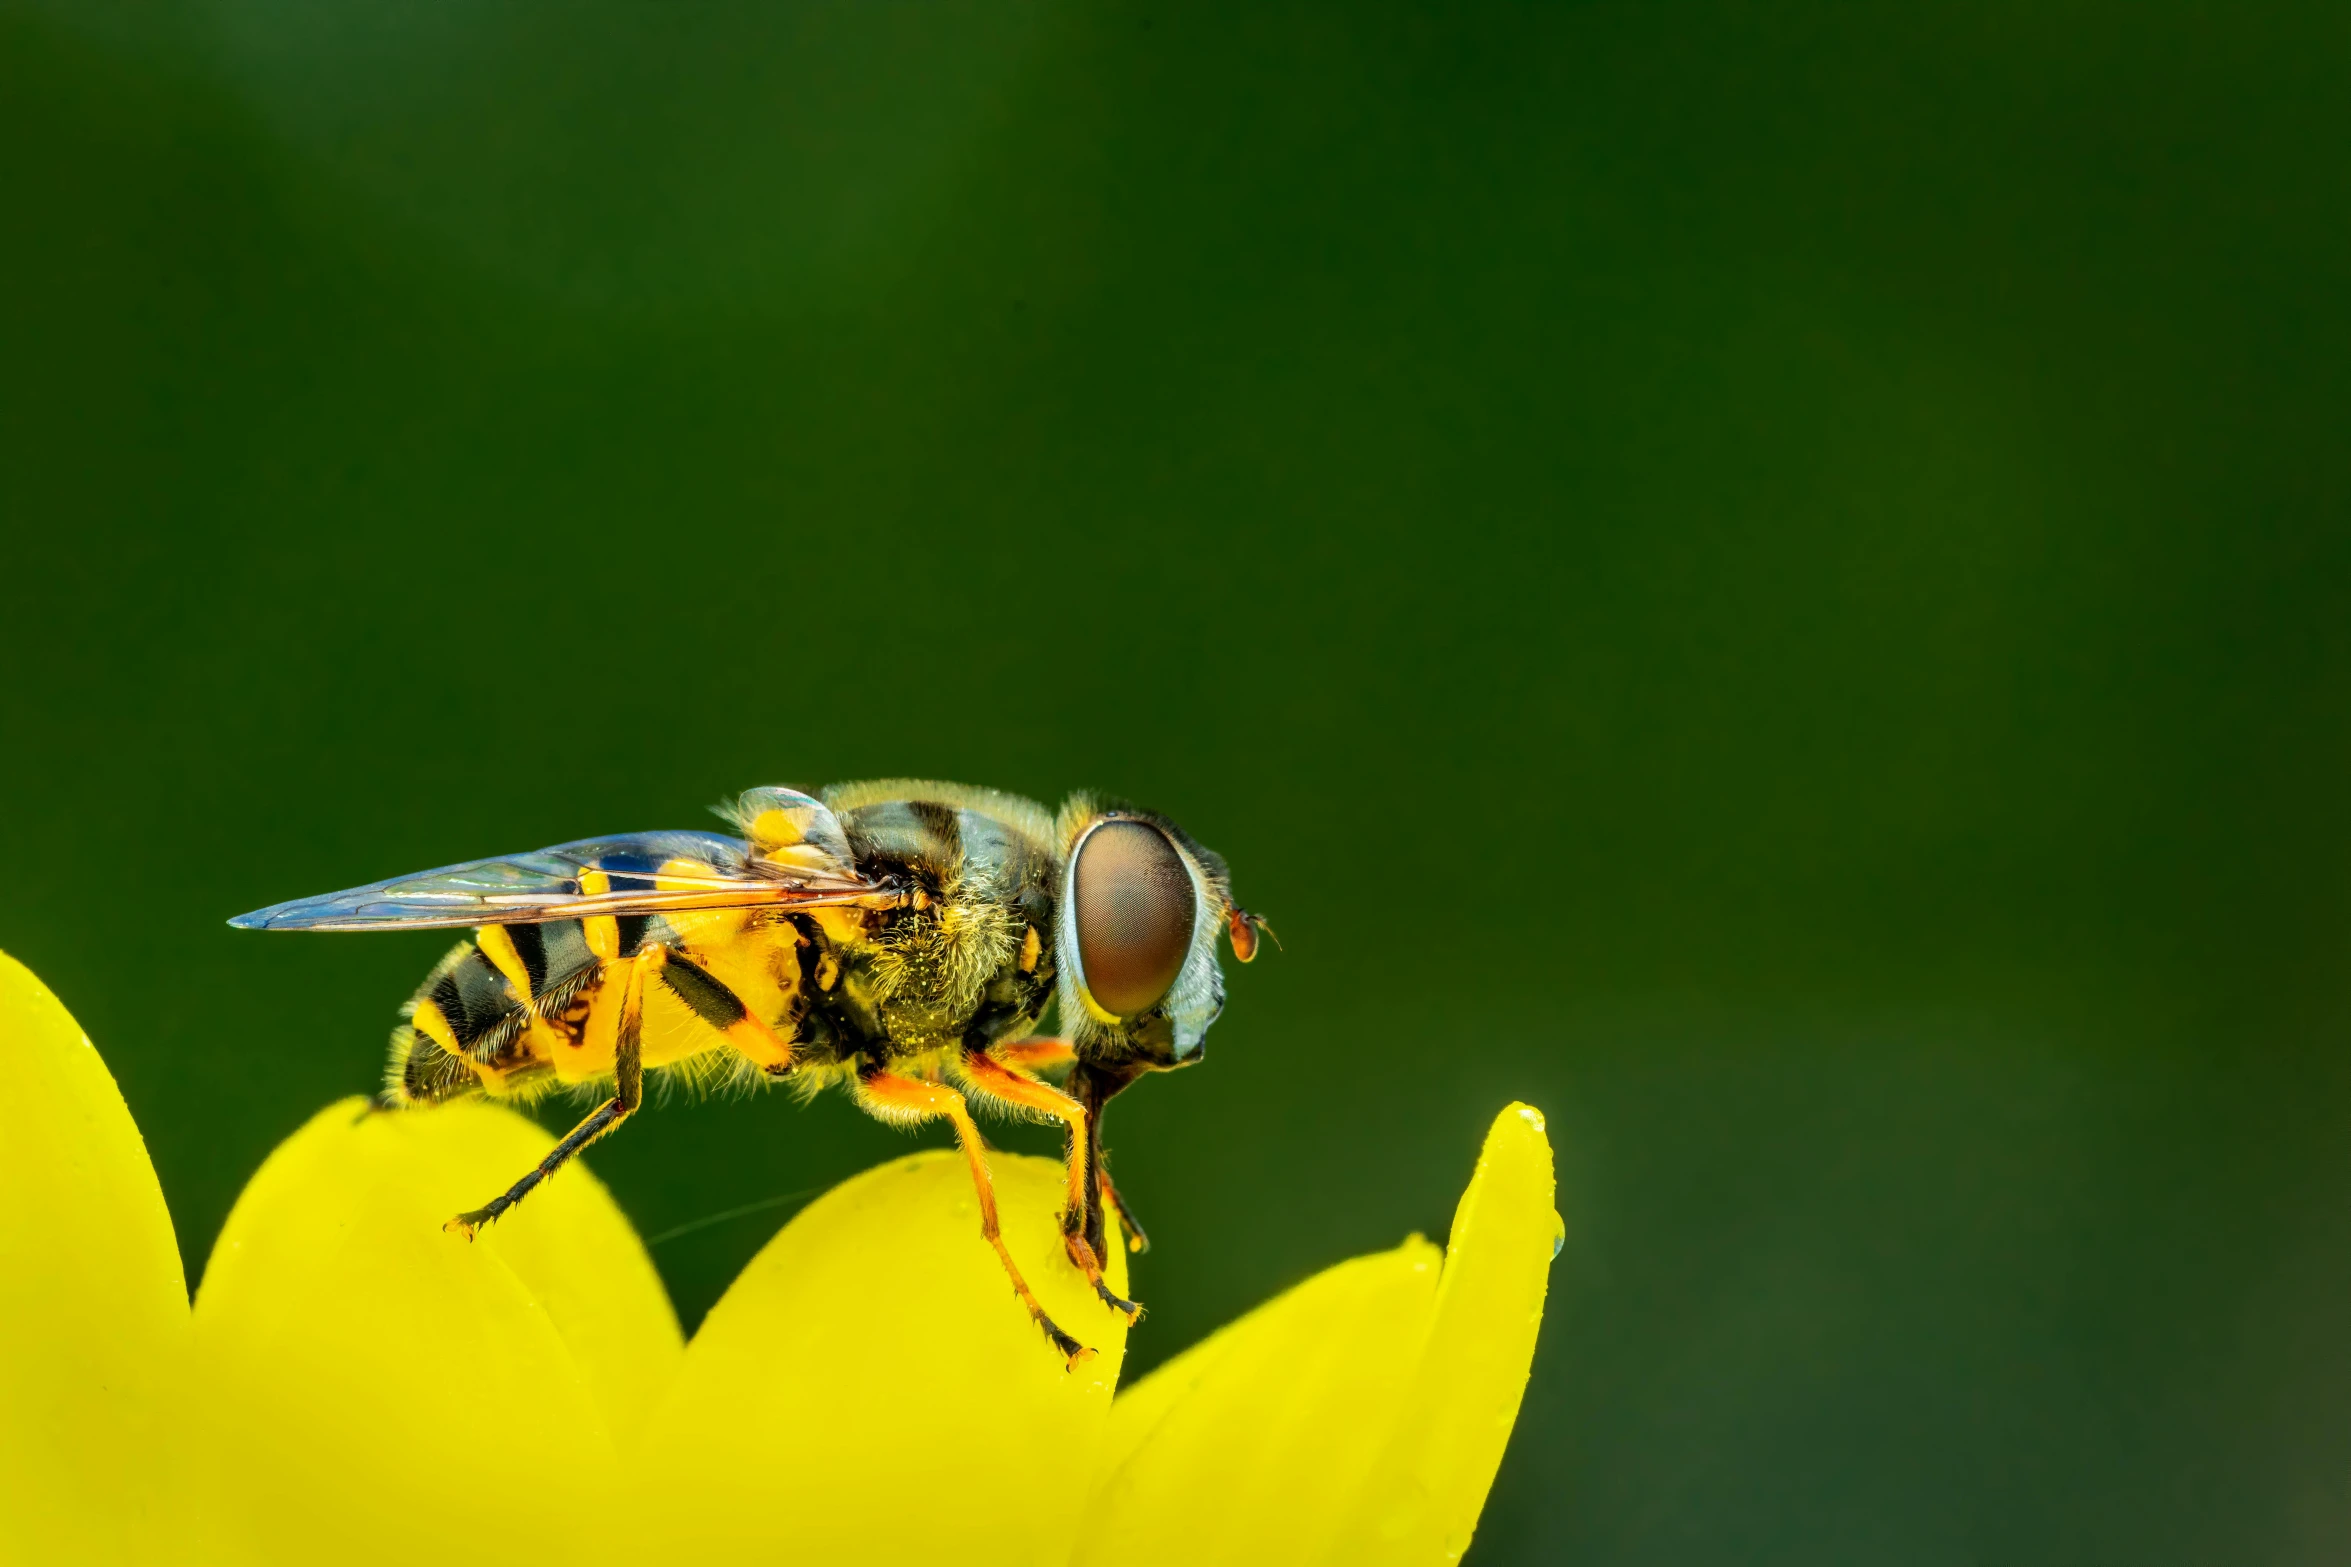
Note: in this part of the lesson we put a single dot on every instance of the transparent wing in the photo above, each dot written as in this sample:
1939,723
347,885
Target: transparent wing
639,873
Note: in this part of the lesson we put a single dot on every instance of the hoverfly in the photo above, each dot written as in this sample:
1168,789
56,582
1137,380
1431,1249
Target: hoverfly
899,937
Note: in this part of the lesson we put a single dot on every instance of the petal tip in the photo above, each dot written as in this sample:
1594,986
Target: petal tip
1519,1124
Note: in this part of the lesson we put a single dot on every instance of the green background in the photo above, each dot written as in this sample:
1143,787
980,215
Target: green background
1769,579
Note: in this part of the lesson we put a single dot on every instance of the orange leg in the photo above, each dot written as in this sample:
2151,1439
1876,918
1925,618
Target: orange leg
989,1077
1136,1239
1033,1055
898,1097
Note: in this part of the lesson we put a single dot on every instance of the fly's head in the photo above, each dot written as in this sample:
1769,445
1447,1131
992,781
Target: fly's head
1142,907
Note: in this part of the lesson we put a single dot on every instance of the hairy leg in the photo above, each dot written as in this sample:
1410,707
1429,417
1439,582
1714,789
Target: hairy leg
989,1077
897,1096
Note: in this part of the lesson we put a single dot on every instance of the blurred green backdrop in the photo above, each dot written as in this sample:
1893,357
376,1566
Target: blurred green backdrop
1772,580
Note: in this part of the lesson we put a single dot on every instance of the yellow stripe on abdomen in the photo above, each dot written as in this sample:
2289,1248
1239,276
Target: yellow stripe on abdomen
498,947
431,1022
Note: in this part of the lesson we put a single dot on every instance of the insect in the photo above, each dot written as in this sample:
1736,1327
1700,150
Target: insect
900,937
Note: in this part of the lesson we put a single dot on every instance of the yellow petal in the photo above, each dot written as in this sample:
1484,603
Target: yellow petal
93,1312
380,1390
1247,1446
1360,1417
1423,1498
869,1391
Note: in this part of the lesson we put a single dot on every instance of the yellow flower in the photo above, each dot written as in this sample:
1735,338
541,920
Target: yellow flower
353,1385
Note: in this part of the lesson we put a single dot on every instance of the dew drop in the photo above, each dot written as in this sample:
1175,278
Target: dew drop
1558,1235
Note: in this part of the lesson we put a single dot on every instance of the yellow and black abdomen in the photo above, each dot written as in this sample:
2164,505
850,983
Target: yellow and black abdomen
519,1009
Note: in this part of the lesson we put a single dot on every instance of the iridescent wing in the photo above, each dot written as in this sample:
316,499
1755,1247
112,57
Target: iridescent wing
795,856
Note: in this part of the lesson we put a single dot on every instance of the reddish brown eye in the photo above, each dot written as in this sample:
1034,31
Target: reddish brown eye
1134,915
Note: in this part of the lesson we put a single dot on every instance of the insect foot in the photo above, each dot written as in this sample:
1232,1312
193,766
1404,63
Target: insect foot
1130,1309
1082,1257
1075,1353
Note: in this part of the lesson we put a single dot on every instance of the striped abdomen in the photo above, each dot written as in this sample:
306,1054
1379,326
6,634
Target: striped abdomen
520,1008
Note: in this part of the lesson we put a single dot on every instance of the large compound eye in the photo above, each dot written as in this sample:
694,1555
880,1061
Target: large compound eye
1134,915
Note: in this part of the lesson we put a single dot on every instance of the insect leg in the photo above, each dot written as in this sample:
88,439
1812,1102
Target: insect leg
1094,1086
993,1079
628,1091
1029,1055
1033,1055
896,1097
1136,1239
